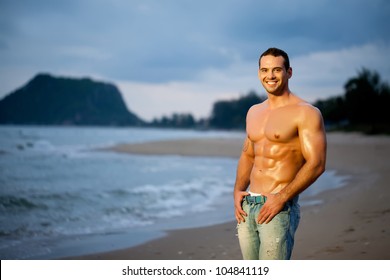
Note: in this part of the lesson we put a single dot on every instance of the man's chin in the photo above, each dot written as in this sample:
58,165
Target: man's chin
274,91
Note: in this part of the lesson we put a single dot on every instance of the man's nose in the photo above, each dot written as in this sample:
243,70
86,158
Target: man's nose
270,75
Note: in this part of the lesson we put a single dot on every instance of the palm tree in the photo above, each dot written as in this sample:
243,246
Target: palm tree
367,100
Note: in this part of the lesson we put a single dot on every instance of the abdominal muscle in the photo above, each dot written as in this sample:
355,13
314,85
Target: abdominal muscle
275,165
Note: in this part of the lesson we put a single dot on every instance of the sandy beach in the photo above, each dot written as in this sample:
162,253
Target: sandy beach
352,223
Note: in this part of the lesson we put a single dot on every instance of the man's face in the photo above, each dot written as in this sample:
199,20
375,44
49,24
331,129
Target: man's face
273,75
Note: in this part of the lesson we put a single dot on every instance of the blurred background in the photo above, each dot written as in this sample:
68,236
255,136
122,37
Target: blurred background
175,56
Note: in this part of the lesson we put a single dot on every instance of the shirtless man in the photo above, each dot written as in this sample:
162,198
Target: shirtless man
283,154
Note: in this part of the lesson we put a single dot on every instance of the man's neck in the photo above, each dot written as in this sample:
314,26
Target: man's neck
277,101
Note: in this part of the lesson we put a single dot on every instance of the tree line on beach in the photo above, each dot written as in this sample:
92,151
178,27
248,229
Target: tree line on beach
226,114
48,100
364,106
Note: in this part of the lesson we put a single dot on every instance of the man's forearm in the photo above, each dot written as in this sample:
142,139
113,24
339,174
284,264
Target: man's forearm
306,176
244,168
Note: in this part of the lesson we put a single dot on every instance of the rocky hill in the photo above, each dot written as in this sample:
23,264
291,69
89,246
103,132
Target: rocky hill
48,100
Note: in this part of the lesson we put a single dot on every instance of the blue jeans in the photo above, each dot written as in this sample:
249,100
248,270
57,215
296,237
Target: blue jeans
272,241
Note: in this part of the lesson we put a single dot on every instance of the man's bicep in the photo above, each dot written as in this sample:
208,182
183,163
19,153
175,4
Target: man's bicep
312,136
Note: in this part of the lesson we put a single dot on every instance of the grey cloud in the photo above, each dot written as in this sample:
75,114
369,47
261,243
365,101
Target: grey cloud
156,41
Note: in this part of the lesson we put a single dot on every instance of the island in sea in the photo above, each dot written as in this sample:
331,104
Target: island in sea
49,100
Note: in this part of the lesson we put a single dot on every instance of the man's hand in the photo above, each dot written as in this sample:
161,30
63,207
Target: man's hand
239,213
271,208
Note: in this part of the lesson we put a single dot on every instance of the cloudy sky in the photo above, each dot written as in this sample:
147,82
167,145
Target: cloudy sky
182,55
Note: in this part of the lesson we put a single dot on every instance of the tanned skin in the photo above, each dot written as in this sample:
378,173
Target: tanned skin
285,148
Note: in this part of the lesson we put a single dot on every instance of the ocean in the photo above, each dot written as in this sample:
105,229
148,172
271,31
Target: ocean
60,196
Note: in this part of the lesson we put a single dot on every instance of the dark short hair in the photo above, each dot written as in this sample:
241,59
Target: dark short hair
277,52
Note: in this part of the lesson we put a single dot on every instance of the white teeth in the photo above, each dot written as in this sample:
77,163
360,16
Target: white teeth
271,83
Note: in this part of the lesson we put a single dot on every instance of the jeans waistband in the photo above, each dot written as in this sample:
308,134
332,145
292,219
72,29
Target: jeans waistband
258,199
261,199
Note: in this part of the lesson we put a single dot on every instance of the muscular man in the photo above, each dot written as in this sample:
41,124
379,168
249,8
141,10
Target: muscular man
283,154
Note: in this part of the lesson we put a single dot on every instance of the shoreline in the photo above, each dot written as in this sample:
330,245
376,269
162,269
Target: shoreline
353,222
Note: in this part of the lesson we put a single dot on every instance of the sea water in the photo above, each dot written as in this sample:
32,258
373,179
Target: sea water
61,197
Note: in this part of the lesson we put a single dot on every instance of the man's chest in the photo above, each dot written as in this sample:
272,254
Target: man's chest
276,125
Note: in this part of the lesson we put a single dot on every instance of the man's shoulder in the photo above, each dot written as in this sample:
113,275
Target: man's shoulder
308,109
309,116
297,103
258,107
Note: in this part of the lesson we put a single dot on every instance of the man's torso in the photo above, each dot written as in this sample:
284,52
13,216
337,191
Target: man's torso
275,138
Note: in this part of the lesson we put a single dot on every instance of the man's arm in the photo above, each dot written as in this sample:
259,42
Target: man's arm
244,168
312,139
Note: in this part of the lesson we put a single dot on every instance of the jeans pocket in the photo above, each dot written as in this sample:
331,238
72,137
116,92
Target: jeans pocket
286,209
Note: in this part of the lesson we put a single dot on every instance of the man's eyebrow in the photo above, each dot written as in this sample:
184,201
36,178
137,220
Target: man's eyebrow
272,68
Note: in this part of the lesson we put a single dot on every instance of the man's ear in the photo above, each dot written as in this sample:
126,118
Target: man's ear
289,72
